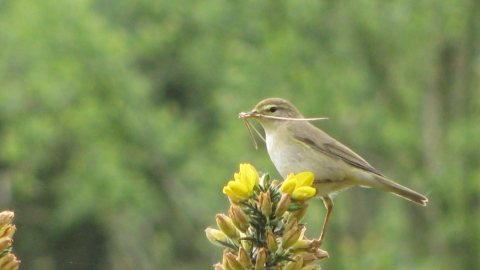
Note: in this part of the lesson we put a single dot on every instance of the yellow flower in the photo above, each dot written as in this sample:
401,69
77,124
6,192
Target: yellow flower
299,186
288,186
249,175
242,187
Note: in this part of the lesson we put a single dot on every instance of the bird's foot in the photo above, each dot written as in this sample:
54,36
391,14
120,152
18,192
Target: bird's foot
315,244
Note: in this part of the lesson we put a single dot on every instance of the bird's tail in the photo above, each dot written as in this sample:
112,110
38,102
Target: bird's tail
383,183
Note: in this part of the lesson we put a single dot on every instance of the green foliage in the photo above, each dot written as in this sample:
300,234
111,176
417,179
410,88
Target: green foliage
118,124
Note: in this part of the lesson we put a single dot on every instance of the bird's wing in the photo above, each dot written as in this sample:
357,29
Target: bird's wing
331,147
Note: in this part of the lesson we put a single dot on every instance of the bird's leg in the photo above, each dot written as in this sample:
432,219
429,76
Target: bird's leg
329,205
327,201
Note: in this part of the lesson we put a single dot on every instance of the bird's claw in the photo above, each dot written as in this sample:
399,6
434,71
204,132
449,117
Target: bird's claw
315,244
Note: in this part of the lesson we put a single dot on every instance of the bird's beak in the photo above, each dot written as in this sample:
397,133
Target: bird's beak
251,114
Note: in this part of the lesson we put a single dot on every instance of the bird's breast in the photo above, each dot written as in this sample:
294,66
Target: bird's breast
295,157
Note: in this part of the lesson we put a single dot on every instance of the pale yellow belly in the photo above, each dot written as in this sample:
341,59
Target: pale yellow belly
296,158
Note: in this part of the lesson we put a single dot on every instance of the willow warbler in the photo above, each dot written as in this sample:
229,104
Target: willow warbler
297,146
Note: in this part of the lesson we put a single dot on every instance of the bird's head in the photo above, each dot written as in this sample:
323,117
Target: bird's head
272,112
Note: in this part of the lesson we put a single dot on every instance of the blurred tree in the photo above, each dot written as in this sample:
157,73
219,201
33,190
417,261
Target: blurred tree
118,123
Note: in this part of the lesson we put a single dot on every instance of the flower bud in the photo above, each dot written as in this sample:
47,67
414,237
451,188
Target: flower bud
291,236
299,214
246,244
275,183
232,261
9,262
224,259
265,180
244,259
5,242
226,225
6,259
303,244
271,241
239,218
321,254
218,266
216,237
291,224
296,264
283,204
307,257
312,267
5,217
265,203
7,231
262,257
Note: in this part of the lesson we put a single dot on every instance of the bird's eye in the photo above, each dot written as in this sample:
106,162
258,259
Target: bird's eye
272,109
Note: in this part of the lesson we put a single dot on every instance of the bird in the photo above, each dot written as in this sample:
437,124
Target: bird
295,145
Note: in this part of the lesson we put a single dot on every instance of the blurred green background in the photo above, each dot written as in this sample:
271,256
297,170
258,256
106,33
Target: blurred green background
118,124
